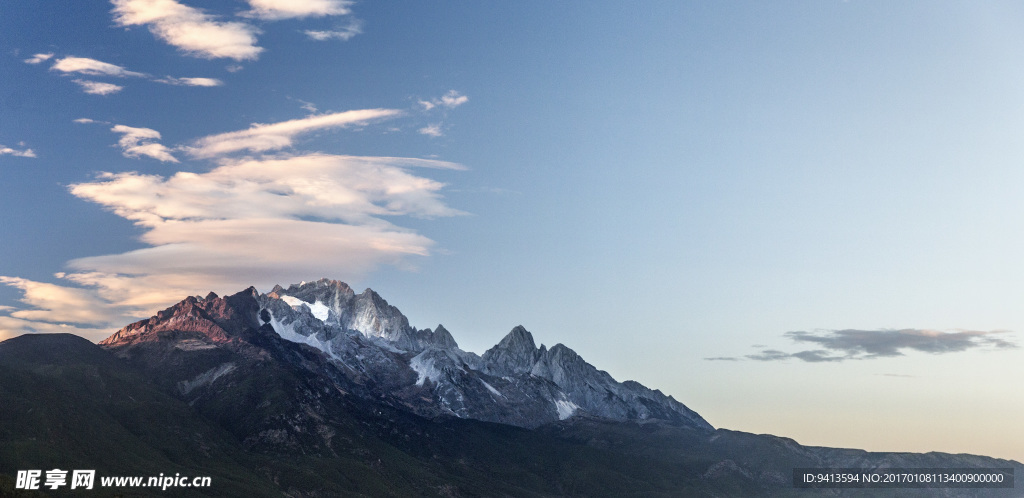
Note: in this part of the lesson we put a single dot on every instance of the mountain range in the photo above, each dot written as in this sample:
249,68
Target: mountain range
314,390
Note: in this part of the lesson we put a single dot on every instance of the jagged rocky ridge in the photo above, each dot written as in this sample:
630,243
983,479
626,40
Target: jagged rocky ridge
380,356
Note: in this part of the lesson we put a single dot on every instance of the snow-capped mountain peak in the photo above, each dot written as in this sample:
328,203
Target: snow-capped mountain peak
423,370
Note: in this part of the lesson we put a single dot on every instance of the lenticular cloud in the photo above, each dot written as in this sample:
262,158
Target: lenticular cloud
259,219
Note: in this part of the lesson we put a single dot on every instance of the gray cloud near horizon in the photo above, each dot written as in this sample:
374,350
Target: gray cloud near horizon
852,344
887,343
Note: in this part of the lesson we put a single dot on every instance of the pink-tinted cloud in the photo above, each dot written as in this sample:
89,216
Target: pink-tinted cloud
189,29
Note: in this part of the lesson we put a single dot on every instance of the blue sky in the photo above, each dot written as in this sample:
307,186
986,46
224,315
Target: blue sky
799,218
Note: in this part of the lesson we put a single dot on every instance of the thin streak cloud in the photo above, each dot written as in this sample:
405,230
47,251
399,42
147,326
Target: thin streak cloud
207,82
92,67
343,33
266,137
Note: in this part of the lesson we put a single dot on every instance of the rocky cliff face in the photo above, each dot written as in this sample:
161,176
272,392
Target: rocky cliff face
374,351
214,318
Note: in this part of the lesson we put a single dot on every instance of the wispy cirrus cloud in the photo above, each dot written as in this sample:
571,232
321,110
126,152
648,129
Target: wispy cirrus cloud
207,82
38,58
446,102
308,106
290,9
431,130
265,137
343,33
139,142
851,344
98,87
8,151
189,29
92,67
450,100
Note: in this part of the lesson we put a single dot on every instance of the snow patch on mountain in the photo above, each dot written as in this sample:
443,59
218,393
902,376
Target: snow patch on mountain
423,365
288,333
565,408
319,310
491,388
